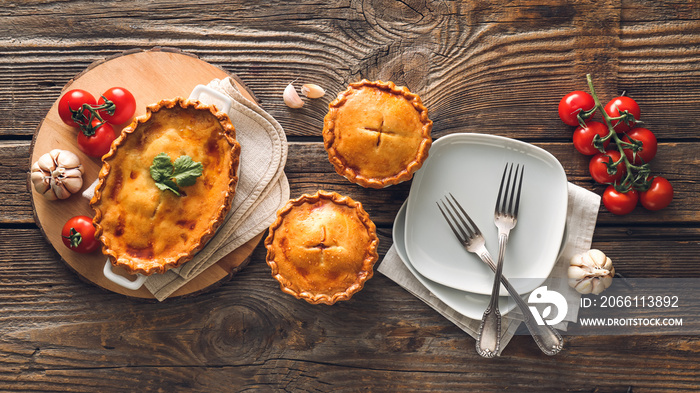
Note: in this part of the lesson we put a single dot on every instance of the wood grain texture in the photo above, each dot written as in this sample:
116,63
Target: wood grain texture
249,334
308,169
497,67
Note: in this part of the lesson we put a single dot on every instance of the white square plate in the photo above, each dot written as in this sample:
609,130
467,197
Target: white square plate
470,167
469,304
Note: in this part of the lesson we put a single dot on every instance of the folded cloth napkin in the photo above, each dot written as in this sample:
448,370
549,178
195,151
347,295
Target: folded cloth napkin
262,188
581,217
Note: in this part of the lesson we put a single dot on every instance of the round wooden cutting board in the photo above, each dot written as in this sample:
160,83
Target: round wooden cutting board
151,76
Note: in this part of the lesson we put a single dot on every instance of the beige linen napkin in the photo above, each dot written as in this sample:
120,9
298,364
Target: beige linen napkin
581,217
262,188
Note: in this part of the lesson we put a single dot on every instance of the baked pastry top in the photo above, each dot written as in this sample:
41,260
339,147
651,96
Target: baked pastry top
143,228
322,247
377,134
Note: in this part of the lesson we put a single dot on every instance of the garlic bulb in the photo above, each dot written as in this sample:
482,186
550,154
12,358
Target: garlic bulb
57,174
291,98
312,91
590,272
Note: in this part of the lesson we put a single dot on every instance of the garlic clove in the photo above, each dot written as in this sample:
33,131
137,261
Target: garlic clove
291,97
41,182
60,190
584,287
597,257
576,273
67,159
50,194
312,91
73,184
597,286
46,163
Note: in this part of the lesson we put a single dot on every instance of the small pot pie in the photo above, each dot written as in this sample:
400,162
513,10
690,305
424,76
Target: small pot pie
377,134
143,228
322,247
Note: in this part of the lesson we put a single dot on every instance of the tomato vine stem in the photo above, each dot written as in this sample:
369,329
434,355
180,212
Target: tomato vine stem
637,176
85,122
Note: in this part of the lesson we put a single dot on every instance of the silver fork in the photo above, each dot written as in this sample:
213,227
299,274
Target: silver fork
469,235
505,217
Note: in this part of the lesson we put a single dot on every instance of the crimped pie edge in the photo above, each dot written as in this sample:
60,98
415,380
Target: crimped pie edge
229,133
329,135
367,265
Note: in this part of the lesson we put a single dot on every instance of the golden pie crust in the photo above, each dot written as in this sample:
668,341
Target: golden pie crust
322,247
377,134
146,230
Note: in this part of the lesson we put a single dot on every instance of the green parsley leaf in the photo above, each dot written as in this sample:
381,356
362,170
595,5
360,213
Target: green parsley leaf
170,176
162,168
186,171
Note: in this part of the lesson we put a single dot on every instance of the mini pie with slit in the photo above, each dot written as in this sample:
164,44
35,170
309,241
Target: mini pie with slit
377,134
147,230
322,247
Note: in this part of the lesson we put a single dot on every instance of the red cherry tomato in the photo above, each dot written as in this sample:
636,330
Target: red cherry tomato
658,196
124,105
620,203
573,103
618,106
78,234
583,137
649,145
98,144
599,170
74,99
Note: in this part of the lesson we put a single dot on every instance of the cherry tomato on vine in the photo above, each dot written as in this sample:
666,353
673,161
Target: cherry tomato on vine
599,169
618,106
124,105
658,196
78,234
583,137
573,103
618,202
649,145
98,144
74,99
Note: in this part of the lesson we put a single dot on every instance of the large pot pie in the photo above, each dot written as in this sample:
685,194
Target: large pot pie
377,134
322,247
146,229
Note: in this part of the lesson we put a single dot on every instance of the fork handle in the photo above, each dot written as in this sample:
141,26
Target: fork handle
488,340
545,336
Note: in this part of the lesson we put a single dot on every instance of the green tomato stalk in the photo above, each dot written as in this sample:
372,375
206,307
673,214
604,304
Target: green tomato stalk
85,122
638,177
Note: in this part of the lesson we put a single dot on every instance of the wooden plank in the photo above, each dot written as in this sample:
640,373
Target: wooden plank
481,66
15,204
635,11
308,170
59,333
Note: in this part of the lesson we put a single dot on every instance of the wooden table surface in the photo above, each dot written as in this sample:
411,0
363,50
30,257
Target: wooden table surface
494,67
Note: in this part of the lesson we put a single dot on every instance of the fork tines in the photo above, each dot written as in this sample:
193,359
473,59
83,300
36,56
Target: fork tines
508,202
457,223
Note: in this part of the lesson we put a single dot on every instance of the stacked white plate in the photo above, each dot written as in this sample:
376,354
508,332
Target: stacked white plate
470,166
